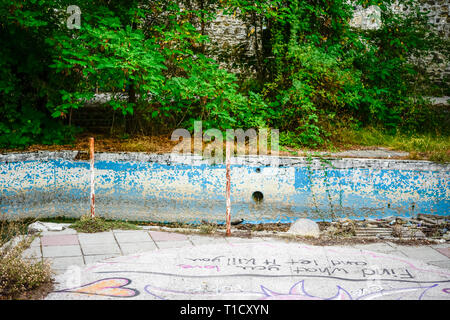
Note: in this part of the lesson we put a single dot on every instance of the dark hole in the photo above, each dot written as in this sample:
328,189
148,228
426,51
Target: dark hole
257,196
258,170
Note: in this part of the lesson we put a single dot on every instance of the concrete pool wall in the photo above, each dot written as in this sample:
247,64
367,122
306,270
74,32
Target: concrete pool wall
169,188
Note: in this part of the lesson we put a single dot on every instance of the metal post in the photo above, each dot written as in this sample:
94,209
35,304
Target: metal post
91,149
228,187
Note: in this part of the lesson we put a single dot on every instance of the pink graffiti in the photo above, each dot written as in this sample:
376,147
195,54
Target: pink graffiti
188,266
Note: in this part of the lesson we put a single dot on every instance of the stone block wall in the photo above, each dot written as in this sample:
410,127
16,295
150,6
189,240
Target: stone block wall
438,14
228,32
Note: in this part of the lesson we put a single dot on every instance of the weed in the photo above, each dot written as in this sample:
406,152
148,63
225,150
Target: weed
207,229
90,224
420,146
11,229
18,275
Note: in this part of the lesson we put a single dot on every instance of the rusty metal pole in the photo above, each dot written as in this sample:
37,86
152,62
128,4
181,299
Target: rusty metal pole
228,187
91,149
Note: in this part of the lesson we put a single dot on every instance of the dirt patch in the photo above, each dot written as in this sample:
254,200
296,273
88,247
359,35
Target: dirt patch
107,143
279,227
36,294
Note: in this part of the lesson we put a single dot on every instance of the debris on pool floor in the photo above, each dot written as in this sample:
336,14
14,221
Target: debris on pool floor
422,228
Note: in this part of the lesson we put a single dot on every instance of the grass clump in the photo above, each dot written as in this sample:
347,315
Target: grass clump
207,229
88,224
19,277
431,147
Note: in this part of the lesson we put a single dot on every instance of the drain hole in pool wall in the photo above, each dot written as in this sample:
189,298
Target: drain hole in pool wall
257,196
258,170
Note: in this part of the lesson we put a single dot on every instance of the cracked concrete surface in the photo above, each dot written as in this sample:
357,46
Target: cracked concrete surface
152,264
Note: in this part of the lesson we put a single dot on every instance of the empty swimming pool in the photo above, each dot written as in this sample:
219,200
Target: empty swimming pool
169,188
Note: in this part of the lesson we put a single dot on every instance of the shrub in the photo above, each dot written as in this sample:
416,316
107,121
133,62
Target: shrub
19,275
90,224
309,67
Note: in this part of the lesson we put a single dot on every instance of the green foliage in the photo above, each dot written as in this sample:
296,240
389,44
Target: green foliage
310,69
390,64
105,55
432,146
27,85
315,68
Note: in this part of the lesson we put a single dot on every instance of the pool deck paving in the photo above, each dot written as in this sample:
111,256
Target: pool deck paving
153,264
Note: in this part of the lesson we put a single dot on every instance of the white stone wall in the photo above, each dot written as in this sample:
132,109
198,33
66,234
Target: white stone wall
367,18
439,14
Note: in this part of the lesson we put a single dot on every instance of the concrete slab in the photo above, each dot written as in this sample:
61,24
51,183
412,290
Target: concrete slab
94,238
440,245
132,236
201,240
173,244
65,231
444,251
36,242
396,253
382,248
61,251
59,240
137,247
424,253
254,271
97,258
61,264
273,240
32,252
232,240
167,236
379,247
442,264
100,248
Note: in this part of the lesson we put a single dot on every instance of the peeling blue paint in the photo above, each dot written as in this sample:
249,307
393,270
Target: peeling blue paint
168,192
